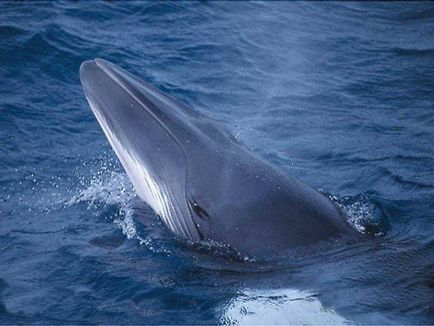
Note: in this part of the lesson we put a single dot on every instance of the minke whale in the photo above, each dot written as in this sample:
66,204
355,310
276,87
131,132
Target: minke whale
198,178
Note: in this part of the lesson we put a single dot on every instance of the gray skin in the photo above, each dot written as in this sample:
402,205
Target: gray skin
197,177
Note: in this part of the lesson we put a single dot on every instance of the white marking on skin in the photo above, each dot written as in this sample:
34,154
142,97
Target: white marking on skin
154,194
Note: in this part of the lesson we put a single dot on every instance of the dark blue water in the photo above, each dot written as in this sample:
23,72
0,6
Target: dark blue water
338,94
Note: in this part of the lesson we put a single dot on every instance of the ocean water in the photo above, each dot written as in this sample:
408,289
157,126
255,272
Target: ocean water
340,95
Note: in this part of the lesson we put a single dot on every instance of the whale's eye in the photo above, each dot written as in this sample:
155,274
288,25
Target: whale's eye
199,211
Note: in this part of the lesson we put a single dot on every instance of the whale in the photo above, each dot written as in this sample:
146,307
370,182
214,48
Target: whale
201,181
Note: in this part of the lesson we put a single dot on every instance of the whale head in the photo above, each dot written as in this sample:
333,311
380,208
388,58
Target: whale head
201,182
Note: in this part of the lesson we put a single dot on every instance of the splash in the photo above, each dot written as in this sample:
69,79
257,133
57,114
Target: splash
108,188
362,214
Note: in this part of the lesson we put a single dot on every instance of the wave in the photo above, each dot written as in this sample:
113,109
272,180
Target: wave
429,52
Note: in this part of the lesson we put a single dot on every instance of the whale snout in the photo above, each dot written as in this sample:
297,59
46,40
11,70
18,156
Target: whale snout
86,69
85,66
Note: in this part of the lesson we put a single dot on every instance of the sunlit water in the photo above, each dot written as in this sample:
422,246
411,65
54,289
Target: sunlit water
339,95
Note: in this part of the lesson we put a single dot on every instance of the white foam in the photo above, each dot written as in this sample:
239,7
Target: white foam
359,210
276,307
358,213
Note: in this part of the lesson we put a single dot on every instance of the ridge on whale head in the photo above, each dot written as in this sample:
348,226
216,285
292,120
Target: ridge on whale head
194,174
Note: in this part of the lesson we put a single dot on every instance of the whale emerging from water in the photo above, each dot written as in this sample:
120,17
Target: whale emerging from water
197,177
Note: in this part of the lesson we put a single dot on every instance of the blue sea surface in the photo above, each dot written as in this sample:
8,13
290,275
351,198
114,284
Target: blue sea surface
340,95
